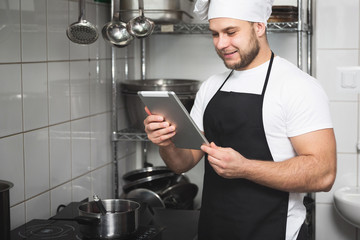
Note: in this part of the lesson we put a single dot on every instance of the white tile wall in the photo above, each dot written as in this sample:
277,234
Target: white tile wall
33,30
80,146
35,92
36,158
55,122
60,154
11,99
10,31
59,92
57,22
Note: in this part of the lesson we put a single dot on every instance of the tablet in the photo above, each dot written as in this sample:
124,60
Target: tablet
168,105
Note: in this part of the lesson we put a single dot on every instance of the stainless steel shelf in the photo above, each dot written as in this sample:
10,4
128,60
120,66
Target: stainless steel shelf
186,28
129,135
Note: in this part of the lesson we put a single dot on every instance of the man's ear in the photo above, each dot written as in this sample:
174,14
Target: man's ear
260,29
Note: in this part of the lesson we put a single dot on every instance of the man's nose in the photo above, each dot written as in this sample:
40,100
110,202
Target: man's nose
223,42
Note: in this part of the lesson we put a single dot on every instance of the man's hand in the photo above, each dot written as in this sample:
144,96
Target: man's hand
226,162
158,130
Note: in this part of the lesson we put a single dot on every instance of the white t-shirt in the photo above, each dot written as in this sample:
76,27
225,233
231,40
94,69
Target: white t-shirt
294,104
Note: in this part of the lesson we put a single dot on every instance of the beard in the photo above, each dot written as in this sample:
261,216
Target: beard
246,56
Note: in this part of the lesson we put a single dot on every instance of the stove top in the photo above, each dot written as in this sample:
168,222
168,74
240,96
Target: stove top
62,226
40,229
162,224
46,229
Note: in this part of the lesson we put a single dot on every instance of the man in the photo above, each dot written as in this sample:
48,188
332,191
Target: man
270,131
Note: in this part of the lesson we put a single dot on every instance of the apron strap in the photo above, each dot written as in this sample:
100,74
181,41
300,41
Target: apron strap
268,73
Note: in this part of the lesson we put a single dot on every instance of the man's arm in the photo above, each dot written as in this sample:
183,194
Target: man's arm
314,168
160,133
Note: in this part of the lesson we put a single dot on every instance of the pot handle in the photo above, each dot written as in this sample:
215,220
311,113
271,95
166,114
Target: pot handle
87,220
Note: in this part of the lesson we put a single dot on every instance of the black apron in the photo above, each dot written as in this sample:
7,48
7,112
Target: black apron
238,208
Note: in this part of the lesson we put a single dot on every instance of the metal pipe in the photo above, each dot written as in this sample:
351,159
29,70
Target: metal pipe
299,35
114,126
143,58
309,36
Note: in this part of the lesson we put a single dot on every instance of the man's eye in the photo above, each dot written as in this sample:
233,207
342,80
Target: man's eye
230,33
215,34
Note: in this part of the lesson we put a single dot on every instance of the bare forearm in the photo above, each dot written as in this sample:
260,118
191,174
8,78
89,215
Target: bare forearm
179,160
299,174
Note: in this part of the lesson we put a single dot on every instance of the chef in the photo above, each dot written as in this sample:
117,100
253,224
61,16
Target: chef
270,131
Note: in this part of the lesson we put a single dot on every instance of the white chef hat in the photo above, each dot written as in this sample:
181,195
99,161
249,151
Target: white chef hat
248,10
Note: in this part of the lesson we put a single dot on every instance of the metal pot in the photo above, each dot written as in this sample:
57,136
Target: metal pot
120,221
5,209
160,11
185,89
144,172
179,196
155,183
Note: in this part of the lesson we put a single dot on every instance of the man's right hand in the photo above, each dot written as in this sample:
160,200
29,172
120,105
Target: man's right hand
158,130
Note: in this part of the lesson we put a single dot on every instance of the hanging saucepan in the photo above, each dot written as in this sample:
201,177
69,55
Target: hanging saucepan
155,183
120,221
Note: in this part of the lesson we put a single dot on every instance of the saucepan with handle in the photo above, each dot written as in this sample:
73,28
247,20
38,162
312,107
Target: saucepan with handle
120,221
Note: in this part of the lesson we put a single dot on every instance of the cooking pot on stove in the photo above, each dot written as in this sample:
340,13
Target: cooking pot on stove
120,222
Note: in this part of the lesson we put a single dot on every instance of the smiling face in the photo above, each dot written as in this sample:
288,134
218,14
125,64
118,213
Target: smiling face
235,42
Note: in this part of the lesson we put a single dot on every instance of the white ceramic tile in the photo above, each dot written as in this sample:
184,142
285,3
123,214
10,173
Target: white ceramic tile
35,95
81,188
100,49
100,87
17,215
38,207
60,154
346,176
60,196
11,100
102,182
57,23
330,226
344,116
100,140
12,166
33,30
10,31
80,145
59,92
332,29
327,62
77,51
36,152
79,89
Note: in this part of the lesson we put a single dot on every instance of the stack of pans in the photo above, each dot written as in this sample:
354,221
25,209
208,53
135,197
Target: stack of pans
284,14
159,187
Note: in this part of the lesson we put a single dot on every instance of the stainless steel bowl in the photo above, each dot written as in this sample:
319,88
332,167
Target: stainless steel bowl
185,89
